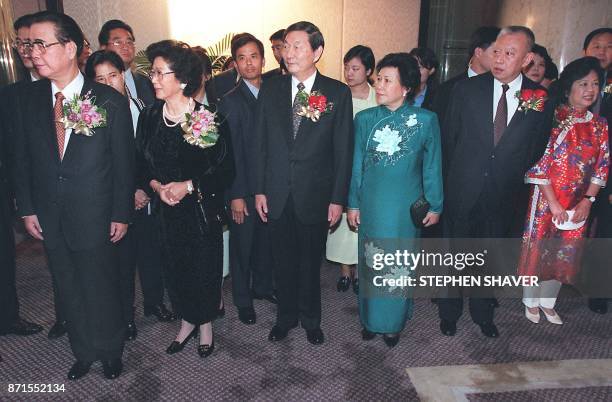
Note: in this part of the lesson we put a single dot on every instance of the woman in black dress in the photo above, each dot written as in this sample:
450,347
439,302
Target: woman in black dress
186,176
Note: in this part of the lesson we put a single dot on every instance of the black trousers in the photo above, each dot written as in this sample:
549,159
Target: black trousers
89,296
250,258
9,306
297,255
141,248
485,220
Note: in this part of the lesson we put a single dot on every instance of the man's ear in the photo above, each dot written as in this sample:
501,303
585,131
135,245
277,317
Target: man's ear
317,53
71,48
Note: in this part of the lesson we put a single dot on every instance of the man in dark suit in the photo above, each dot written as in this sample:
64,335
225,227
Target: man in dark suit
250,248
303,172
597,44
490,146
276,41
75,192
10,322
119,37
479,62
221,84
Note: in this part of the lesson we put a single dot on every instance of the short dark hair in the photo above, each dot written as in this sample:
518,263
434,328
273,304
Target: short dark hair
551,71
577,70
278,35
242,39
66,28
185,63
203,56
428,59
101,57
315,37
482,38
364,54
108,26
540,51
514,29
592,34
23,21
408,68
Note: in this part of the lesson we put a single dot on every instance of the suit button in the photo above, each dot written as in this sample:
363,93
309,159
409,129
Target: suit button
61,178
486,174
492,156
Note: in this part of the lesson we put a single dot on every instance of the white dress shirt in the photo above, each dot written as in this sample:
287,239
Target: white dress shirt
74,88
130,83
511,98
471,73
308,83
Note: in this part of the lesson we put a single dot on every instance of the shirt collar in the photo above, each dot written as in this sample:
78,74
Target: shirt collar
254,90
73,88
33,78
514,85
471,73
308,82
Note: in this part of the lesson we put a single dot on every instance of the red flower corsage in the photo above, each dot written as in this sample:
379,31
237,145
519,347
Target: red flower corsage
531,99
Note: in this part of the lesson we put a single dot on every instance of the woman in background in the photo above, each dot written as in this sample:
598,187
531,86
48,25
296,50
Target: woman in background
342,242
536,70
428,67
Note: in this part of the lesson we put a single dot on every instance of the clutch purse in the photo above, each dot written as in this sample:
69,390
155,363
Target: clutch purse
418,210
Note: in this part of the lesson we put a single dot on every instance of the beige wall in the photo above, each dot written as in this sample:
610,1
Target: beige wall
559,25
384,25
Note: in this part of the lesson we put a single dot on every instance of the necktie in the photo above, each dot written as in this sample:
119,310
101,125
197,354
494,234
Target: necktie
60,131
297,106
501,116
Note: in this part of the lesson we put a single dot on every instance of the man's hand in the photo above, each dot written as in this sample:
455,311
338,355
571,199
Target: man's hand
239,210
141,199
334,212
261,206
32,226
431,219
117,231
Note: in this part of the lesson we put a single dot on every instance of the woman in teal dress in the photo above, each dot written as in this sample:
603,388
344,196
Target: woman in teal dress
397,160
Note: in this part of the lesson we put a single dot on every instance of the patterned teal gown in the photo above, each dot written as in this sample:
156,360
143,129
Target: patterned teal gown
397,159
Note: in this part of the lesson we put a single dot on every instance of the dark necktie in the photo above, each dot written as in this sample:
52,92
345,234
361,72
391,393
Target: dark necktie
297,106
60,131
501,116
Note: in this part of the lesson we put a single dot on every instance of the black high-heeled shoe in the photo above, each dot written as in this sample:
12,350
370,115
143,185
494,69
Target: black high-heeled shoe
206,350
177,346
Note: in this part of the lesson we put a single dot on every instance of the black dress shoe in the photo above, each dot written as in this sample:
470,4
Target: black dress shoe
448,328
344,283
599,306
277,334
22,328
356,286
247,315
112,368
269,297
130,332
161,312
57,330
78,370
177,346
315,336
367,335
391,340
206,350
489,330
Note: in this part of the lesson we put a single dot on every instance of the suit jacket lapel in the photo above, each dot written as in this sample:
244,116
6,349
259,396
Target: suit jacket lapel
247,94
44,111
286,102
73,142
485,105
306,124
518,116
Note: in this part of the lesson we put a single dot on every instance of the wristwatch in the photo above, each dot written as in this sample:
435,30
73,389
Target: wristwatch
590,198
189,187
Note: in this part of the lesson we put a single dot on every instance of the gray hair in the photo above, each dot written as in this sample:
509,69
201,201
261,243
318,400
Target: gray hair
514,29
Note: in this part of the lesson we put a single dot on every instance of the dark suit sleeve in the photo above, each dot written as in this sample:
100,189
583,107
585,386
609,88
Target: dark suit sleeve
143,173
261,142
450,128
21,162
121,132
343,141
235,118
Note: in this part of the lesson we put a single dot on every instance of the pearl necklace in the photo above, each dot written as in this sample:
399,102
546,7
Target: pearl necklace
176,118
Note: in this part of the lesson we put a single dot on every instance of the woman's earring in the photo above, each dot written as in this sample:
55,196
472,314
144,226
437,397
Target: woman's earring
183,85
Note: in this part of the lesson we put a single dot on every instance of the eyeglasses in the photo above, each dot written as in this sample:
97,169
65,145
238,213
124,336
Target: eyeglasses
39,45
18,44
122,43
159,74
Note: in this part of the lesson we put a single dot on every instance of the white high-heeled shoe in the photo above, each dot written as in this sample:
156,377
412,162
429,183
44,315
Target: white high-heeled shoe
533,317
554,318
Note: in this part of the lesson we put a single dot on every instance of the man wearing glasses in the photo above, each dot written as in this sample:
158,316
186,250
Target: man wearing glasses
10,322
75,192
117,36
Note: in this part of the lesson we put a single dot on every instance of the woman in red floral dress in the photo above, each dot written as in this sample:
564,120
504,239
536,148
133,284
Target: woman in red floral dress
567,178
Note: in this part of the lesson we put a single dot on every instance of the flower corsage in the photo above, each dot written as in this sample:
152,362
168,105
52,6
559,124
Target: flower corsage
82,115
200,128
313,105
531,99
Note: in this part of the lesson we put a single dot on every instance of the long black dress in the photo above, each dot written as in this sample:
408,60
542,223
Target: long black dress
191,231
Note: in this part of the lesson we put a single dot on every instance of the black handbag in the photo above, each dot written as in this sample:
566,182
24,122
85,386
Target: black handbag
418,211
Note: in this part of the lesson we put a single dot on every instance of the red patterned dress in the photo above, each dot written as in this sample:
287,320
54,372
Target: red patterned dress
576,155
